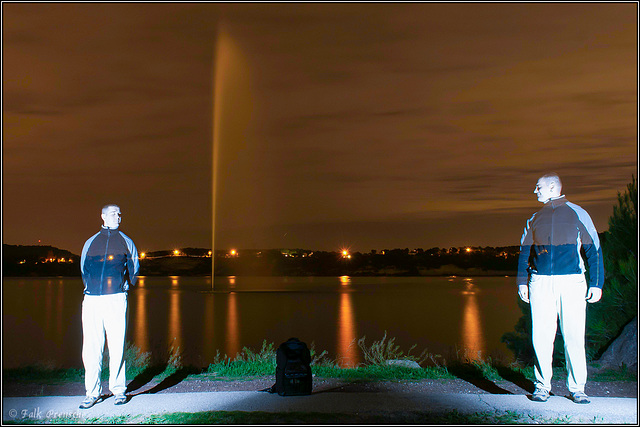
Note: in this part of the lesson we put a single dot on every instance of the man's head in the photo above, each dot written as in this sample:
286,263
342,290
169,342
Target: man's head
111,216
548,187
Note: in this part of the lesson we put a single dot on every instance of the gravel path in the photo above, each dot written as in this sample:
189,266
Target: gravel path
447,386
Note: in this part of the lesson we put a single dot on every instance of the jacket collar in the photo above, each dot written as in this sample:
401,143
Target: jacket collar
556,201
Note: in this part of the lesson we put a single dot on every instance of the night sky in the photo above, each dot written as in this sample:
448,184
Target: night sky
367,126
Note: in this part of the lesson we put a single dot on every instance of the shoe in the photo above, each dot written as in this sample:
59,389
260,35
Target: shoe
540,395
120,399
580,397
88,402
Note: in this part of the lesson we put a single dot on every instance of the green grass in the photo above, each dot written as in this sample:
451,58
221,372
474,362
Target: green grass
249,364
621,374
378,372
453,417
43,374
241,417
379,352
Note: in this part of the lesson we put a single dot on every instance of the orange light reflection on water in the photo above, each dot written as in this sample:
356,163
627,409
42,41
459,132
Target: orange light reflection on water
59,307
209,331
347,349
473,340
233,334
142,341
48,310
175,337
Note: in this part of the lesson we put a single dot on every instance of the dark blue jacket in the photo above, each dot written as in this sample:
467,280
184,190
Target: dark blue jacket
109,263
552,240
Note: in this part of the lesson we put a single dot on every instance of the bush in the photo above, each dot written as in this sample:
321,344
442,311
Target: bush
380,352
619,304
135,359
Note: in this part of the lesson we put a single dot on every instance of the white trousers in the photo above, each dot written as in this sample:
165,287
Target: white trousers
104,314
553,298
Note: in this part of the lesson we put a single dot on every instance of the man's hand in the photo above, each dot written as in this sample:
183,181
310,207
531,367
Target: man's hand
594,294
523,292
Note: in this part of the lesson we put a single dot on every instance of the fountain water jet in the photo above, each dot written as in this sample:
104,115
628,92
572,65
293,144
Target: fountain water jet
231,112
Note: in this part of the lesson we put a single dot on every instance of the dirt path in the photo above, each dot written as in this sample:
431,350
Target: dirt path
595,389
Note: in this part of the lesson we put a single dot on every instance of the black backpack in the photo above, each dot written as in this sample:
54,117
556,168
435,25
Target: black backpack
293,369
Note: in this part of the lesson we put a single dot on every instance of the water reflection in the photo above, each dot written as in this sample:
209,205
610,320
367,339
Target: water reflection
175,338
142,340
347,350
209,331
457,315
233,335
59,310
472,337
48,302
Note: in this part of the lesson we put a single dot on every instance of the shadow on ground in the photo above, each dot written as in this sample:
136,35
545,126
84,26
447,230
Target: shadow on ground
149,373
473,374
516,378
468,372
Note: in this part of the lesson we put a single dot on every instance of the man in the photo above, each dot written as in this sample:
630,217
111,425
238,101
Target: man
109,265
551,279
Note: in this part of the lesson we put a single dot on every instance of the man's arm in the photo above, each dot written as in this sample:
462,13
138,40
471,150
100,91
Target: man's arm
133,264
594,294
522,279
83,257
593,252
523,293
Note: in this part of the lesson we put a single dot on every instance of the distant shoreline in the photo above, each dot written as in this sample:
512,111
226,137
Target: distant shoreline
427,274
47,261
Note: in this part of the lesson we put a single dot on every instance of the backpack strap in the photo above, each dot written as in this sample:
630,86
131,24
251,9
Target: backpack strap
271,389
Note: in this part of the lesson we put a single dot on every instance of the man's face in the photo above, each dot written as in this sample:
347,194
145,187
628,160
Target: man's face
543,190
111,217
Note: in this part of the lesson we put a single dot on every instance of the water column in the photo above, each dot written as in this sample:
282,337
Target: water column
218,73
232,108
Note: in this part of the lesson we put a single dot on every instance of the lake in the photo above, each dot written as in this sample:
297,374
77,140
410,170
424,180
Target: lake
444,315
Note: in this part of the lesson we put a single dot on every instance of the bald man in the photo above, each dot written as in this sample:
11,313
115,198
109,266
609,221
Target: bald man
109,265
551,278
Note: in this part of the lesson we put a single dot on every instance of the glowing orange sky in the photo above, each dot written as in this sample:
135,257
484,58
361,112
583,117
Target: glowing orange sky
365,125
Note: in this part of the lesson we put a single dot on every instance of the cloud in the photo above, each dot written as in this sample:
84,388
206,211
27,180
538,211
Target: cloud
380,115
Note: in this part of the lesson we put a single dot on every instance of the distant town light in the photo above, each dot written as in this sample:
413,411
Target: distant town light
233,252
209,253
176,252
110,257
143,255
468,249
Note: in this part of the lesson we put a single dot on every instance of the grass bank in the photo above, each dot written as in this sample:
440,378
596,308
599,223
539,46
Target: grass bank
384,360
251,364
239,417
